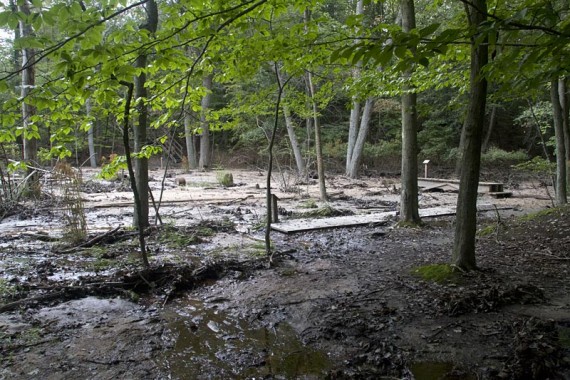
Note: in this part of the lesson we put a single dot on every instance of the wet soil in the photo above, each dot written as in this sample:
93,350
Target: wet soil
338,303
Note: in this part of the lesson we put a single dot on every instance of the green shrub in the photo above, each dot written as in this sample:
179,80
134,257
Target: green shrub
537,165
224,178
496,156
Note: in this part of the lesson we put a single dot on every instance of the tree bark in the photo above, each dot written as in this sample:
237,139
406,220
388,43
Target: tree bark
492,123
140,131
299,161
132,176
29,141
358,149
466,217
409,212
318,142
352,130
91,135
16,52
189,136
268,194
205,154
564,104
317,126
560,187
358,124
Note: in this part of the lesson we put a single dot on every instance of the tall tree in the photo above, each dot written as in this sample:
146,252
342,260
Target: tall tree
362,123
190,141
30,133
299,161
205,151
409,212
466,217
317,126
557,112
91,134
358,124
565,107
140,130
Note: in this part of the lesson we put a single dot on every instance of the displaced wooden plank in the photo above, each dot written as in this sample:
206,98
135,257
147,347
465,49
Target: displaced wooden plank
484,187
501,194
442,187
303,225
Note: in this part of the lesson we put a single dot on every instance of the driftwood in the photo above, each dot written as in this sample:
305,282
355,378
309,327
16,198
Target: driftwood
108,237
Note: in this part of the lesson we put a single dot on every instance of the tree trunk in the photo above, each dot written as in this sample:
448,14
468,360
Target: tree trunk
563,93
140,131
132,175
354,111
29,137
299,161
358,149
352,130
318,142
189,136
205,154
269,196
466,218
492,123
315,112
560,186
91,135
16,61
409,212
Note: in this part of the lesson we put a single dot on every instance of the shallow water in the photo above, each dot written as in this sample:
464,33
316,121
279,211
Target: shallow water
208,343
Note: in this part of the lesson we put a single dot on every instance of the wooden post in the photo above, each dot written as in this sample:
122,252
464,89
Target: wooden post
274,209
426,162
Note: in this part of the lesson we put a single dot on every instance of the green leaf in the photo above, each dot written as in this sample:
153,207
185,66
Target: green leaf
37,21
28,42
5,17
401,52
14,166
424,61
428,29
13,21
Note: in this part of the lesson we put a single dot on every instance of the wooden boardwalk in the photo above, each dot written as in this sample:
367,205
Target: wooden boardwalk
484,187
302,225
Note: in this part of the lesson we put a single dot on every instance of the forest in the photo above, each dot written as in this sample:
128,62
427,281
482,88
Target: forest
152,153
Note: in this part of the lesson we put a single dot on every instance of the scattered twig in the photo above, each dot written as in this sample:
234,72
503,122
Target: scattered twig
553,257
441,329
13,347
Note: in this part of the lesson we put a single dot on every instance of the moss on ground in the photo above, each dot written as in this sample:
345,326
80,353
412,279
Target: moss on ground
439,273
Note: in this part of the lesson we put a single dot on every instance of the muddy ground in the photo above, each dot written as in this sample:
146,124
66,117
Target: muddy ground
338,303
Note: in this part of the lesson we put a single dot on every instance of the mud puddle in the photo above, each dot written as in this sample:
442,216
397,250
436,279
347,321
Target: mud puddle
209,343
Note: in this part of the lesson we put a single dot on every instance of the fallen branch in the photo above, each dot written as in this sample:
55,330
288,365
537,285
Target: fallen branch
44,297
98,239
